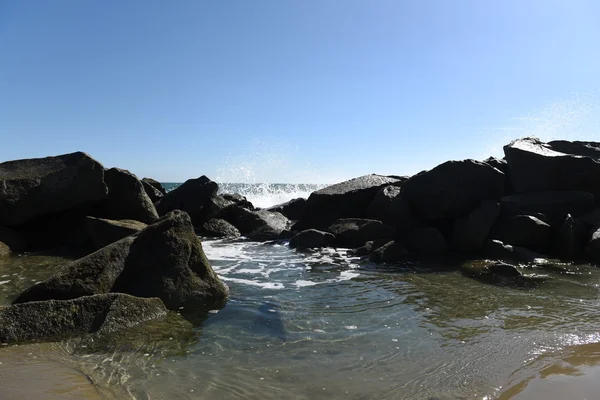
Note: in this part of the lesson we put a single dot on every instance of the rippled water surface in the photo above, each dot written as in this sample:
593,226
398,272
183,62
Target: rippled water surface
305,325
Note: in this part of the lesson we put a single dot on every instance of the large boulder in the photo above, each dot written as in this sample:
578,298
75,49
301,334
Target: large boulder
355,232
523,230
495,249
568,240
256,225
152,192
218,228
192,197
34,187
536,166
555,205
51,320
239,200
426,241
127,198
585,149
164,260
453,189
11,241
155,184
593,247
390,252
293,209
349,199
470,232
389,207
312,238
105,231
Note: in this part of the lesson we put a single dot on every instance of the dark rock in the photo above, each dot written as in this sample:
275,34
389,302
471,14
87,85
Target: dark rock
536,167
523,230
256,225
389,207
499,272
584,149
214,208
127,198
52,320
152,192
568,240
498,163
218,228
34,187
293,209
470,232
348,199
192,197
593,247
392,251
368,247
453,189
592,219
105,231
554,205
355,232
312,238
11,241
426,241
495,249
239,200
155,184
164,260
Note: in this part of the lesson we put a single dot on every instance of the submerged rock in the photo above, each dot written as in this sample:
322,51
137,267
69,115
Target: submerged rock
34,187
192,197
312,238
218,228
50,320
349,199
500,273
164,260
355,232
127,198
105,231
453,189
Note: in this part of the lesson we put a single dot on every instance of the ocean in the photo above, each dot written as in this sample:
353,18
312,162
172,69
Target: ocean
327,325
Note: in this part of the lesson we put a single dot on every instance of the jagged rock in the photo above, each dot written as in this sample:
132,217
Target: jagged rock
536,166
426,241
312,238
293,209
368,247
348,199
164,260
593,247
127,198
34,187
155,184
239,200
51,320
105,231
392,251
585,149
500,164
568,240
256,225
218,228
214,208
355,232
523,230
152,192
555,205
11,241
192,197
389,207
499,272
495,249
470,232
453,189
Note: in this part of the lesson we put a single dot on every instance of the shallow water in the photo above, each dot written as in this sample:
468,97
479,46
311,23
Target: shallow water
303,325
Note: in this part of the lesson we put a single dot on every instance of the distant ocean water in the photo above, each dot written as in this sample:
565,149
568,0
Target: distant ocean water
263,194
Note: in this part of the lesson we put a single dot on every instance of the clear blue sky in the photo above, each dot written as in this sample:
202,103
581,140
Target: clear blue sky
278,90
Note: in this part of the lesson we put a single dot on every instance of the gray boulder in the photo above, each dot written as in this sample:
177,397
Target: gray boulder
105,231
193,197
239,200
53,320
536,166
390,252
453,189
348,199
155,184
127,198
312,238
523,230
218,228
293,209
11,241
355,232
389,207
152,192
592,249
426,241
470,232
34,187
256,225
164,260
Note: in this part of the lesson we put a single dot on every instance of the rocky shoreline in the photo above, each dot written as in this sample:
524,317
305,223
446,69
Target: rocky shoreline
541,201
